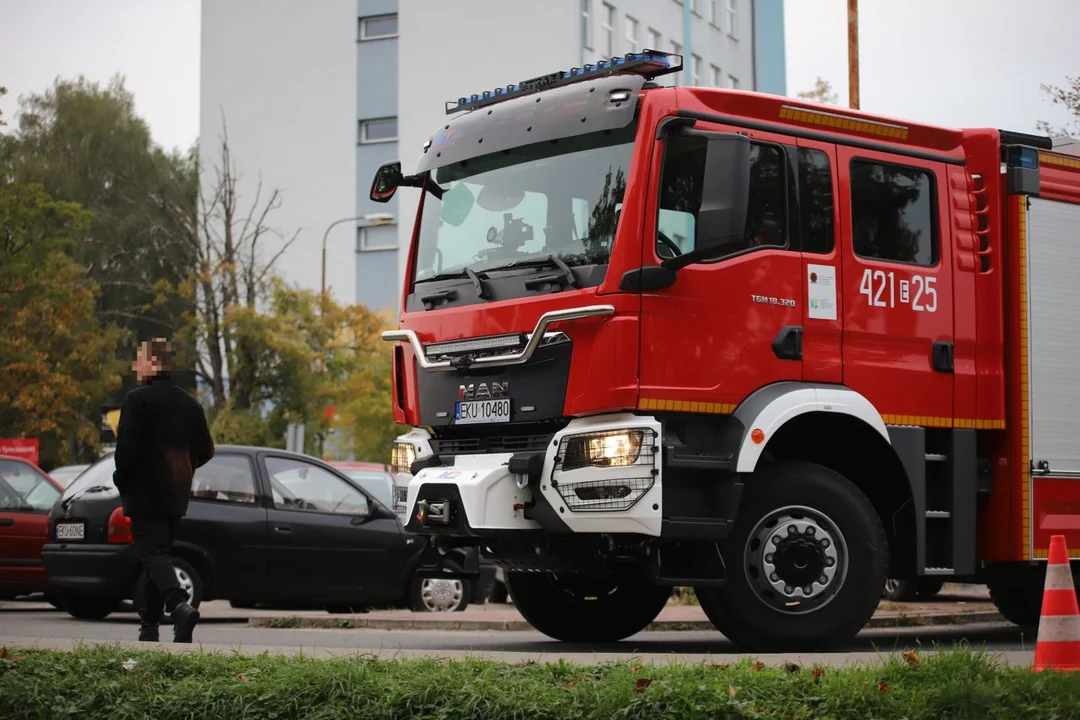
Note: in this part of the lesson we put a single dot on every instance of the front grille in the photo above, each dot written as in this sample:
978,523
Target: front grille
491,444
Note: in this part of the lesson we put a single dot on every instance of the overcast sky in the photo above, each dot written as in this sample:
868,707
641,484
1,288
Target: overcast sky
952,62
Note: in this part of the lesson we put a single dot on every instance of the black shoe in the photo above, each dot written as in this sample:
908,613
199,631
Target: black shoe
148,633
184,619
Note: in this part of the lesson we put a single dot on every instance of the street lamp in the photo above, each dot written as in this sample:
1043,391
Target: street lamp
372,219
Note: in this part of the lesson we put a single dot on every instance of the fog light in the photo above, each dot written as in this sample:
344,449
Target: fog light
609,449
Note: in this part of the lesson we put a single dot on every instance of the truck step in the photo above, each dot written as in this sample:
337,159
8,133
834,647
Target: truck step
931,514
936,457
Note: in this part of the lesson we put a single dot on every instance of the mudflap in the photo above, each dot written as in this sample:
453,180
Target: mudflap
459,562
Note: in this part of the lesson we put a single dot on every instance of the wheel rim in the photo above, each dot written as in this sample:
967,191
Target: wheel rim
440,595
892,585
796,560
186,583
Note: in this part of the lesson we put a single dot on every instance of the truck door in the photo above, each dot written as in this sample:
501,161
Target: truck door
897,280
728,325
819,228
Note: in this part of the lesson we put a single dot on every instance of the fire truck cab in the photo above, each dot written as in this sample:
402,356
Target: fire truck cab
774,350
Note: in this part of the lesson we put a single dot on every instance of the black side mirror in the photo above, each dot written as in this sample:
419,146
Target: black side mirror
726,190
385,184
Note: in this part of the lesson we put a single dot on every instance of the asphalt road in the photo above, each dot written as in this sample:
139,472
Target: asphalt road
31,625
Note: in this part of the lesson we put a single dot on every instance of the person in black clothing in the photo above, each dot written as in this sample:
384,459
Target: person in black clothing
160,441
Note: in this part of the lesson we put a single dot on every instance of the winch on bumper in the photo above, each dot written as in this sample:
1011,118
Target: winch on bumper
597,475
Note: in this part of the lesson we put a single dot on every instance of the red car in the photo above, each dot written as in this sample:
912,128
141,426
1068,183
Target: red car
27,494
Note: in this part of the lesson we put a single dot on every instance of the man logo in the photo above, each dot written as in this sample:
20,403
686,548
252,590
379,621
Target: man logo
484,391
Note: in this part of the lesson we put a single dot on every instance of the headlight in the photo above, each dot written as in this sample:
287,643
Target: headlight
402,457
617,448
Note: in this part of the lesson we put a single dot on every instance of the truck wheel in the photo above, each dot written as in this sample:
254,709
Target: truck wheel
1019,603
929,587
806,562
575,608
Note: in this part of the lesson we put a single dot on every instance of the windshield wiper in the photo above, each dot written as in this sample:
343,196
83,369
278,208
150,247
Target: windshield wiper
477,280
565,276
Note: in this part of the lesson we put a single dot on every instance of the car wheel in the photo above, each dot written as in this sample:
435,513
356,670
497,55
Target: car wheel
900,590
190,580
53,599
807,561
439,594
88,607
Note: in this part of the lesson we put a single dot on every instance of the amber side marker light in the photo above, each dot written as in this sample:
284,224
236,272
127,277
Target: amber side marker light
757,435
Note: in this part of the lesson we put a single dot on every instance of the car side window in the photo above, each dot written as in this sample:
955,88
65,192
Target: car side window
226,478
300,485
23,489
682,186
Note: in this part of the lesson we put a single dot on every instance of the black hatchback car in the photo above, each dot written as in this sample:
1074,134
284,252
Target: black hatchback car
264,526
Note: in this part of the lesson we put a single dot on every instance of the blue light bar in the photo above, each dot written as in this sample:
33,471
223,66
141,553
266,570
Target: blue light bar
647,63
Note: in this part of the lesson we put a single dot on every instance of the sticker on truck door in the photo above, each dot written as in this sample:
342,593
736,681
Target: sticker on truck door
821,292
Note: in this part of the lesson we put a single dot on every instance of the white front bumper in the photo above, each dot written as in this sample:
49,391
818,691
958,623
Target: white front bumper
492,499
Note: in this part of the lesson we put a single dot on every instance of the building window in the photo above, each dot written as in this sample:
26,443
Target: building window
717,76
586,23
656,39
378,130
631,34
815,202
378,27
676,48
892,213
732,18
714,12
609,30
695,70
383,237
733,82
694,7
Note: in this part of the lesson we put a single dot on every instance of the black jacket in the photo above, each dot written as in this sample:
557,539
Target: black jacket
162,438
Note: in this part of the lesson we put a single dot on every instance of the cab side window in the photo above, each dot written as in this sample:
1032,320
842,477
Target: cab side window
892,213
681,188
816,226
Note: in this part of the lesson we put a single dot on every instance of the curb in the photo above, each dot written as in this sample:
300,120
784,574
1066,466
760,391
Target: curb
359,622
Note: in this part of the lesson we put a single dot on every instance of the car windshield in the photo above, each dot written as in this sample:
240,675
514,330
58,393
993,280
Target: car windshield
65,475
379,484
24,489
553,199
100,474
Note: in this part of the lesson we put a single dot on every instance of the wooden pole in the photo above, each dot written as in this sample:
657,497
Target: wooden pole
853,53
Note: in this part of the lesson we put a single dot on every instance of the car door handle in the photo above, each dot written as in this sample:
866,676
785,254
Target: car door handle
6,522
283,528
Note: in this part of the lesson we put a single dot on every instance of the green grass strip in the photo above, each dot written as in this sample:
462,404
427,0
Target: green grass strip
93,682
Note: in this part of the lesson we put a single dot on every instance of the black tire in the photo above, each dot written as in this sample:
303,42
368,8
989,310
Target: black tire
417,602
575,608
88,607
184,567
499,594
53,599
928,587
743,612
1019,603
900,590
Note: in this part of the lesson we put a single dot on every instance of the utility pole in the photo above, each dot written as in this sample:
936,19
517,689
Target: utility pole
853,53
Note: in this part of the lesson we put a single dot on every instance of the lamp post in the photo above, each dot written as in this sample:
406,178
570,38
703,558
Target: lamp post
372,220
853,54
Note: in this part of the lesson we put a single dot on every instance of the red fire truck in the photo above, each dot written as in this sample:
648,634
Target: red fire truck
774,350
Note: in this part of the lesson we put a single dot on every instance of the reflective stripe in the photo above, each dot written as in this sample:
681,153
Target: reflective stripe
1059,577
1059,628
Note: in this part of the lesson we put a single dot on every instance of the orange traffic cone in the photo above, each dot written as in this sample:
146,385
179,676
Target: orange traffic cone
1058,645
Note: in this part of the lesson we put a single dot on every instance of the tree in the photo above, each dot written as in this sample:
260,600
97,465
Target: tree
822,93
55,359
1069,97
84,143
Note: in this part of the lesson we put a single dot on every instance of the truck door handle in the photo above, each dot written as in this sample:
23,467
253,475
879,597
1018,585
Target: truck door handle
941,356
283,528
6,522
787,345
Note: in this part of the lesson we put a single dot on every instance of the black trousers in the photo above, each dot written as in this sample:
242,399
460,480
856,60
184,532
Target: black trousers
159,588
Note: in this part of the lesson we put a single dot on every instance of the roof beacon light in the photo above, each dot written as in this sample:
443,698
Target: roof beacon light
647,63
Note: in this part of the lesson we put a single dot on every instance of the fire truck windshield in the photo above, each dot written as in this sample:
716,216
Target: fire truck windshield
556,201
